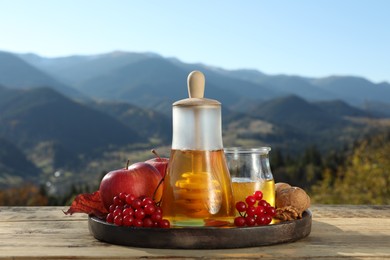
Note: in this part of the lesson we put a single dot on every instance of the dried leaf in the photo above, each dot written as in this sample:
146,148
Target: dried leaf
89,203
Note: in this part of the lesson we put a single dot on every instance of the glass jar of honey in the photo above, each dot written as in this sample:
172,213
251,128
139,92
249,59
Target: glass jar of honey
197,186
250,171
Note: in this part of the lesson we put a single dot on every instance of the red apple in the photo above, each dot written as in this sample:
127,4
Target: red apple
161,164
139,179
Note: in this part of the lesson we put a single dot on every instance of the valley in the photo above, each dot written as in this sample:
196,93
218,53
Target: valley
67,121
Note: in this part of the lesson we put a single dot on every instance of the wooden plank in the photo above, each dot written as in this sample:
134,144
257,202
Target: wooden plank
46,233
351,211
15,214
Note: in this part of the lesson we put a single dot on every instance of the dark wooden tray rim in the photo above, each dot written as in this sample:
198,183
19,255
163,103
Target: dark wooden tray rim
202,237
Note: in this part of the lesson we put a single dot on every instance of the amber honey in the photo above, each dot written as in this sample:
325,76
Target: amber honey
242,187
197,187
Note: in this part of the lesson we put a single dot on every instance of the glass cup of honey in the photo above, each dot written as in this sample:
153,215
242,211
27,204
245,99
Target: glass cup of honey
250,171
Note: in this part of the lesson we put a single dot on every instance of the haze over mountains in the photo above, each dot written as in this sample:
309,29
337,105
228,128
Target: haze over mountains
18,74
58,112
139,77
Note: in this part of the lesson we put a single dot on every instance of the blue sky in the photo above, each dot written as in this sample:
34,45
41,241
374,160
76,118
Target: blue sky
307,38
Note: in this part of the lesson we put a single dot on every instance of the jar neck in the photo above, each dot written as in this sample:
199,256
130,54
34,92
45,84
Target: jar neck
197,128
250,164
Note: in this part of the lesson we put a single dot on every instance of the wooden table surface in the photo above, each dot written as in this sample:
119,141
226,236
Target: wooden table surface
338,232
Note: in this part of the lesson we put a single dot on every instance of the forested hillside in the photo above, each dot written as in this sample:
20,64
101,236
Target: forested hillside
362,178
67,121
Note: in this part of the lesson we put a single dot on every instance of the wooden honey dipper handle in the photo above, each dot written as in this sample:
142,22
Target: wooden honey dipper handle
195,83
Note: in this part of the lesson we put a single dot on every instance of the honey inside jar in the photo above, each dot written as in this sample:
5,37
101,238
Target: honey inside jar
243,187
197,188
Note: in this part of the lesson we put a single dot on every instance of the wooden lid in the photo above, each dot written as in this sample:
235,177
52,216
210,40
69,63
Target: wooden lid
196,84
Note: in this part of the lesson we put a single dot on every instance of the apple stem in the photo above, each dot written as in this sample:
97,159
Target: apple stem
156,154
127,164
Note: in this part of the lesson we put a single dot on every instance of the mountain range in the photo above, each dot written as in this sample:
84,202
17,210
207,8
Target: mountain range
151,81
18,74
60,112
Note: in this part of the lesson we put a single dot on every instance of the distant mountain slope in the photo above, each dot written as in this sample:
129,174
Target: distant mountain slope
29,117
17,74
285,84
251,75
78,68
148,123
14,164
248,130
377,108
142,77
152,83
295,112
354,90
243,88
340,108
147,83
298,86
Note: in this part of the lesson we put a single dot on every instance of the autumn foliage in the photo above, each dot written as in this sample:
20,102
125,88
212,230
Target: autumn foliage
27,195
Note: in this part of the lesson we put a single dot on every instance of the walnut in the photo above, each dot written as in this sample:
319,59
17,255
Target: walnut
287,213
281,186
290,202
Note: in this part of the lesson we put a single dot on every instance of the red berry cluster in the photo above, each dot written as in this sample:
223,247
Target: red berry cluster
127,210
252,214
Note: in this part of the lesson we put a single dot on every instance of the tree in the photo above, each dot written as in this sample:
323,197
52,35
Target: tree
364,179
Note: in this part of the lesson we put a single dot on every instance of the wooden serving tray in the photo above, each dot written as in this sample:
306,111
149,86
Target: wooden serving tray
202,237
